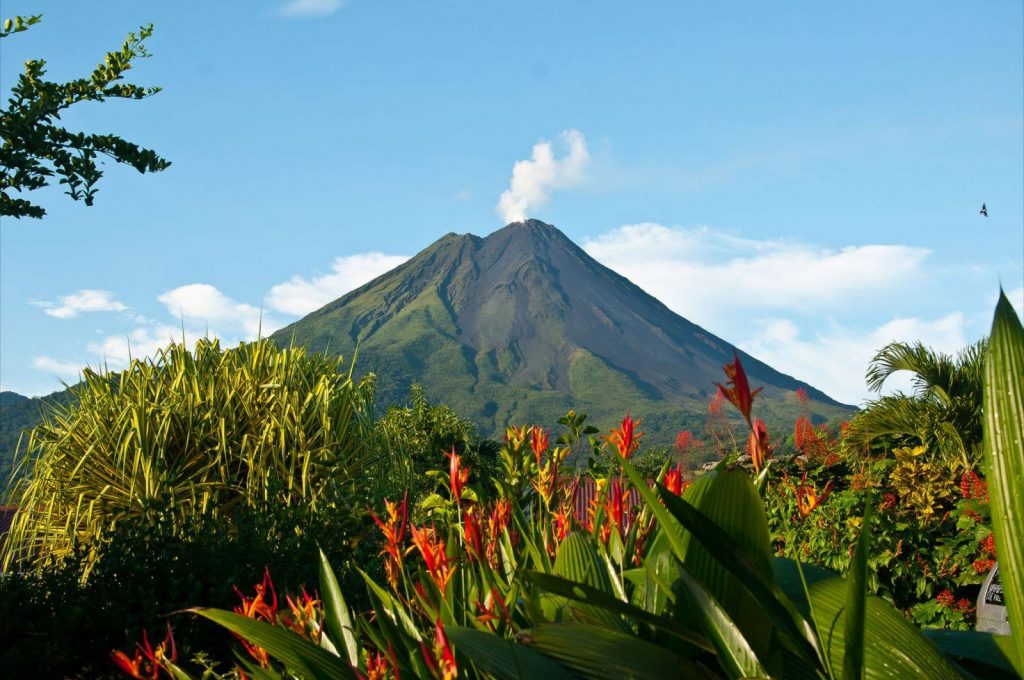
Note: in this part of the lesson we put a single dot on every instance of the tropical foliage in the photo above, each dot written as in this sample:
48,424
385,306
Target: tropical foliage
648,581
187,434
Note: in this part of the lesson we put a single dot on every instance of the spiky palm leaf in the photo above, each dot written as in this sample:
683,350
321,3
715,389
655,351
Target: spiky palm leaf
187,432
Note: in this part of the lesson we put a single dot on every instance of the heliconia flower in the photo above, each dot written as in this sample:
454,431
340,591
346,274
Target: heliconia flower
493,609
739,394
440,660
378,667
561,522
758,445
624,438
394,537
147,662
674,481
515,437
304,620
615,507
807,498
685,441
259,608
472,534
538,442
433,551
457,475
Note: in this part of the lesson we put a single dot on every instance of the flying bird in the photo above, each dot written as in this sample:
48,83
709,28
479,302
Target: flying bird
984,210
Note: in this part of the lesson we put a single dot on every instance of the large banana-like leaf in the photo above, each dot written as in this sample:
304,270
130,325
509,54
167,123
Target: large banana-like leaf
734,652
505,659
856,599
893,647
299,655
578,561
1003,406
997,652
337,619
598,652
597,598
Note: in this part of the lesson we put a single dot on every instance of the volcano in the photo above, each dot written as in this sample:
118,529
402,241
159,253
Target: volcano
523,325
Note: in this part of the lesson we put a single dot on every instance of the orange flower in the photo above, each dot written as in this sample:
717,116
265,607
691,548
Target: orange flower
258,607
458,476
807,498
433,551
624,439
304,619
538,442
394,536
739,394
758,446
493,610
472,534
147,662
497,521
615,507
561,522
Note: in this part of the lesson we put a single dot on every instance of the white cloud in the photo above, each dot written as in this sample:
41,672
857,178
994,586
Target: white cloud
115,351
85,300
312,8
302,296
836,358
707,276
533,180
62,369
203,303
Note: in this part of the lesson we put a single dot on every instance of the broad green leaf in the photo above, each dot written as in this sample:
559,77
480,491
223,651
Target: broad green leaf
734,652
592,596
856,596
992,650
893,647
299,655
1003,409
336,615
735,559
577,561
503,658
602,653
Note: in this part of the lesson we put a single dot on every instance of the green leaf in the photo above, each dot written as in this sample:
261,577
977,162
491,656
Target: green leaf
299,655
577,561
597,598
503,658
336,615
856,597
893,647
602,653
1003,409
734,652
728,553
992,650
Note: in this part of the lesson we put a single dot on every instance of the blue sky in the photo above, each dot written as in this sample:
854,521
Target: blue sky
803,180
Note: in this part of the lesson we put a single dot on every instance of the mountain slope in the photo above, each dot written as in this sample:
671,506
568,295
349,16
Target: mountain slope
522,325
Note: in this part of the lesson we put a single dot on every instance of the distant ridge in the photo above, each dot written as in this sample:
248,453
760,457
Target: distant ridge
522,325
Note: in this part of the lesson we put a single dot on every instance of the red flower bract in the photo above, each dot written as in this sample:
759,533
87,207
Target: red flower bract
457,475
624,438
739,393
758,445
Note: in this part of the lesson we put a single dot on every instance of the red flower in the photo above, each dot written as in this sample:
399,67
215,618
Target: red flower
674,480
259,608
988,544
624,439
538,442
440,660
472,534
973,486
945,598
801,396
493,609
147,662
888,501
457,475
394,537
739,394
433,551
982,565
964,605
807,498
758,446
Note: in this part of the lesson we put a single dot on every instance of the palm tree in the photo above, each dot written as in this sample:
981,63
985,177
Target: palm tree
944,410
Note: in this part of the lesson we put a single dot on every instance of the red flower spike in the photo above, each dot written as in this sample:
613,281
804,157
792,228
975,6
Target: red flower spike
739,395
440,660
473,535
674,480
394,537
538,442
758,445
457,475
625,439
434,556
